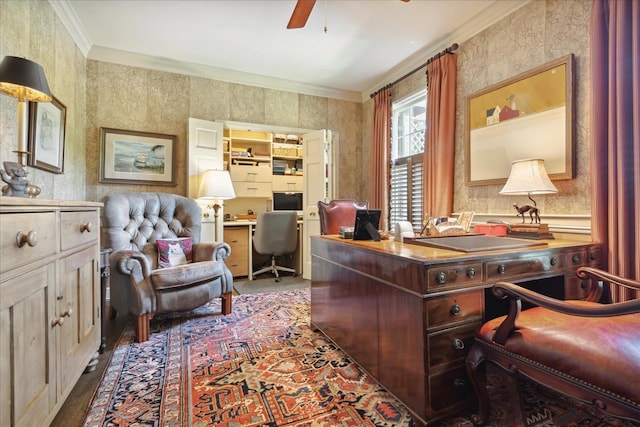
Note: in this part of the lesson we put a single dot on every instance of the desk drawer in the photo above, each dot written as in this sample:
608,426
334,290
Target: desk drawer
39,228
77,228
238,240
253,189
508,269
250,174
454,275
450,388
451,345
588,257
454,308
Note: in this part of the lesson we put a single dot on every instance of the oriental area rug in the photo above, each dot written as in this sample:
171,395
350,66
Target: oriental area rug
263,365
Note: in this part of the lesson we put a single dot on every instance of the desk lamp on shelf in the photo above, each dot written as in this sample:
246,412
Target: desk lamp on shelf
216,186
25,80
529,177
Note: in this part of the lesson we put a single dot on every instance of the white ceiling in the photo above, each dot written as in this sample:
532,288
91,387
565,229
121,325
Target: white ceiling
368,43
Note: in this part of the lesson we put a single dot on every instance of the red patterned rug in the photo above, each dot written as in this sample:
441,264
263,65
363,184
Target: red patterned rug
262,365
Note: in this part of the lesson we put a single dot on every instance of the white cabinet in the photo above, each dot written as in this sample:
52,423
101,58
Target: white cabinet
250,162
49,304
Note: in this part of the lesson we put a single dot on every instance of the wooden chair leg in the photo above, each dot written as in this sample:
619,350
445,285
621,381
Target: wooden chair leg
477,370
142,327
112,313
226,303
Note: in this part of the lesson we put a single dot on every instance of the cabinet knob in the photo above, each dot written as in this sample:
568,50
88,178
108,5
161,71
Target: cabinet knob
67,313
57,322
441,278
85,226
459,383
471,272
575,258
455,309
312,214
554,260
457,344
593,256
583,285
502,268
30,238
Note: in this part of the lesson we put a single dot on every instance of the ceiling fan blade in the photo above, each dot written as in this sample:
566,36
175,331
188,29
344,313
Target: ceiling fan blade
301,13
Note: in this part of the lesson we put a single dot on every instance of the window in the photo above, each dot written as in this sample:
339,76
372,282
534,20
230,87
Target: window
408,124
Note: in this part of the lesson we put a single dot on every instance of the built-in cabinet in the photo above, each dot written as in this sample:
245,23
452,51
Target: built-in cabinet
49,304
261,163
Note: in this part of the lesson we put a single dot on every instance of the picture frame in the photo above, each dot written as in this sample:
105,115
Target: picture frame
46,136
134,157
526,116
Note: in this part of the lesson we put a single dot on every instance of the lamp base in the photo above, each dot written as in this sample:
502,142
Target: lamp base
530,231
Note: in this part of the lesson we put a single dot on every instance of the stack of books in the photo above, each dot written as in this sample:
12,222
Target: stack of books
530,231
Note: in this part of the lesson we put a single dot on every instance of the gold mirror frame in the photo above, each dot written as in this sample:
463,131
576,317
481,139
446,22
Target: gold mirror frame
526,116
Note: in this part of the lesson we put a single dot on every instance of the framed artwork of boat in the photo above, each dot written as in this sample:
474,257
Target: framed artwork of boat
132,157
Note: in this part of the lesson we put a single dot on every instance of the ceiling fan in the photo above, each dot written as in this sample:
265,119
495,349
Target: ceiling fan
301,13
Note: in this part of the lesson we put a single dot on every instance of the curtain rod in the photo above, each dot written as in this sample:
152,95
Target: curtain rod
450,49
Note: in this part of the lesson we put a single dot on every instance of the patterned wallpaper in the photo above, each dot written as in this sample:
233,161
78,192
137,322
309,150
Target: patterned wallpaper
99,94
533,35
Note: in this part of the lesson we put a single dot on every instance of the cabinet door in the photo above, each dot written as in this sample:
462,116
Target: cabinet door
78,302
238,239
27,342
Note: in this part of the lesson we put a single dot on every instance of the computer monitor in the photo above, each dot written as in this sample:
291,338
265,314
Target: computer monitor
287,201
366,226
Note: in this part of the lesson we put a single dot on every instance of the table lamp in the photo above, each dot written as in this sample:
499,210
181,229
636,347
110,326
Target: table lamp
216,185
529,176
25,80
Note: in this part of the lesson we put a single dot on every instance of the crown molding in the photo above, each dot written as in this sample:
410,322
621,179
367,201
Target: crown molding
473,26
165,64
72,23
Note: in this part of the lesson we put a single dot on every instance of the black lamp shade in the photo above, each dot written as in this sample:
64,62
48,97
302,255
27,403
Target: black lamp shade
23,79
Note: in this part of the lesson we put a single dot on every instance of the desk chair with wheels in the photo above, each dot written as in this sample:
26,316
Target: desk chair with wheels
338,213
276,235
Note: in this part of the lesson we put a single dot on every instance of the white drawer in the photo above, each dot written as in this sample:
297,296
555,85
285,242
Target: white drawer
250,173
38,231
252,189
288,183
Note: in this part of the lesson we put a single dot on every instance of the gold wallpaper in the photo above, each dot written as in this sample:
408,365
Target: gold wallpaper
99,94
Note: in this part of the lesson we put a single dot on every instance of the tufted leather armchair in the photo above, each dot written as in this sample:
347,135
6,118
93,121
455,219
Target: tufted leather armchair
338,213
131,224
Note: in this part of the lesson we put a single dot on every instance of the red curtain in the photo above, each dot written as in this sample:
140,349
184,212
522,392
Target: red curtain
380,143
439,145
615,135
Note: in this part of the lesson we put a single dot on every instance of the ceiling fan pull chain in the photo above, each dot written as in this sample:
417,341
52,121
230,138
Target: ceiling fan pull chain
325,16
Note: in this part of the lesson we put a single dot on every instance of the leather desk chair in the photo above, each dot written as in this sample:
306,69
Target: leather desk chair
338,213
132,223
276,235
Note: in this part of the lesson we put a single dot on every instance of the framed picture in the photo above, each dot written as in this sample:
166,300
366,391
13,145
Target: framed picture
527,116
131,157
47,121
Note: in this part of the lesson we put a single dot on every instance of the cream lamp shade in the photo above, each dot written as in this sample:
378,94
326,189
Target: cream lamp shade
216,184
528,176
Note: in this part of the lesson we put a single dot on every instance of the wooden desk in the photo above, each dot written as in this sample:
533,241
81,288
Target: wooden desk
239,235
408,314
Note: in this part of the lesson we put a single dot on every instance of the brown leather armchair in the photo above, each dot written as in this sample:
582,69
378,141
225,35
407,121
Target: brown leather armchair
338,213
132,222
583,349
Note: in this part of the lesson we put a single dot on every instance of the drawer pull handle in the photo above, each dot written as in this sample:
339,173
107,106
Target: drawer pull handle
471,272
583,285
575,259
455,309
30,238
459,383
554,261
502,268
85,226
68,312
457,344
441,278
593,256
57,322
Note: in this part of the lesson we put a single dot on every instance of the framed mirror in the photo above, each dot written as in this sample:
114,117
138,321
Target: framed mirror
527,116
